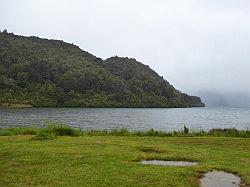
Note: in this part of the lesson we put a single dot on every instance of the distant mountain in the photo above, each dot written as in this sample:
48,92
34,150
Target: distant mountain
213,98
41,72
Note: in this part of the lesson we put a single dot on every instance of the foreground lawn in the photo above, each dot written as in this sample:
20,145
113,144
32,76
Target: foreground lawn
113,160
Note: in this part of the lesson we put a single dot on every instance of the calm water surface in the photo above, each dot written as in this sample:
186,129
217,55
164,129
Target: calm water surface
130,118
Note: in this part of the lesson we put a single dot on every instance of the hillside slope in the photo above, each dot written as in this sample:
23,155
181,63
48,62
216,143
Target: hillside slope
41,72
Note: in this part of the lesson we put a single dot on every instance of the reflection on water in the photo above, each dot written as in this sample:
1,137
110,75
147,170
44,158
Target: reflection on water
131,118
168,163
220,178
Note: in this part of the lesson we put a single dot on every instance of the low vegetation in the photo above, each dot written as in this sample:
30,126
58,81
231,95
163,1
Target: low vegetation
58,129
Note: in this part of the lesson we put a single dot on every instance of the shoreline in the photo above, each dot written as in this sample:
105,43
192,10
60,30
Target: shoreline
59,129
30,106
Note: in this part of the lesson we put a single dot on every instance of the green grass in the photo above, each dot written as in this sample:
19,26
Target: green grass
112,160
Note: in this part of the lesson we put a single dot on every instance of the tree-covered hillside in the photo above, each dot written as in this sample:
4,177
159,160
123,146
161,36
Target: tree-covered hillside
41,72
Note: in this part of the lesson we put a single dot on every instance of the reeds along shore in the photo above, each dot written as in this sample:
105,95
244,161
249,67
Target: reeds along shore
52,130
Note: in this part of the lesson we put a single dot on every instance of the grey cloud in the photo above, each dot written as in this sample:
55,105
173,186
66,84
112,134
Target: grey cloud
195,44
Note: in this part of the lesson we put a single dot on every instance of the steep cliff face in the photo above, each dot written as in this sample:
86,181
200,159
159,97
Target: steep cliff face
42,72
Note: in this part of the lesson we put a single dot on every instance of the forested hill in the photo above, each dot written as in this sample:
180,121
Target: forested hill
41,72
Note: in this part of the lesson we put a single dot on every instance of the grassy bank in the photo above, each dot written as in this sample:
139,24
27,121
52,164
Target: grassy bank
52,130
59,155
113,160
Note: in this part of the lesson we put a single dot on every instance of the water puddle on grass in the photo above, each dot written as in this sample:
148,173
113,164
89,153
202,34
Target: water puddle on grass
220,178
168,163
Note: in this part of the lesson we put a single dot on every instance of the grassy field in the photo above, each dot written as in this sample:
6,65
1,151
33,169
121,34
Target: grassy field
101,160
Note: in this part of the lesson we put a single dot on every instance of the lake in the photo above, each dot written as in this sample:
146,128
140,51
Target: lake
166,119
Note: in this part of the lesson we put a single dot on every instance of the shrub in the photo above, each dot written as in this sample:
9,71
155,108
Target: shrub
120,132
41,135
63,131
60,129
186,130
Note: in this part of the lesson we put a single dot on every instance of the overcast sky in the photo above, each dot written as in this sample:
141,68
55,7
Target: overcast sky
195,44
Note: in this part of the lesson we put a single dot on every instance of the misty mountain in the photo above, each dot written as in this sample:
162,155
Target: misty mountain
212,98
41,72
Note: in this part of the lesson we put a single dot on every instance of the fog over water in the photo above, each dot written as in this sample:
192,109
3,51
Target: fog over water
201,47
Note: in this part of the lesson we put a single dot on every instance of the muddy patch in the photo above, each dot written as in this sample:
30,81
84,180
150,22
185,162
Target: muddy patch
150,150
168,163
220,178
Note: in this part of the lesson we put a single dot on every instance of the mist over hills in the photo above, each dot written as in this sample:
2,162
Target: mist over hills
220,99
41,72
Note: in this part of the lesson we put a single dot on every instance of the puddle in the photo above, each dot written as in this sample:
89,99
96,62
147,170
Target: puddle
220,178
168,163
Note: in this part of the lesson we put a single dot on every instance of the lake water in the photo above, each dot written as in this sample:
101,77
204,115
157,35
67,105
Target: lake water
167,119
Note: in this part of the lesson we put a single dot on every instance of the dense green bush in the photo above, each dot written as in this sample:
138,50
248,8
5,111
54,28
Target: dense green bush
41,135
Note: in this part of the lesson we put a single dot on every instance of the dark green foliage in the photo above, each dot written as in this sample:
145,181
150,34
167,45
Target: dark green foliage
41,135
186,130
63,130
45,73
230,132
119,132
